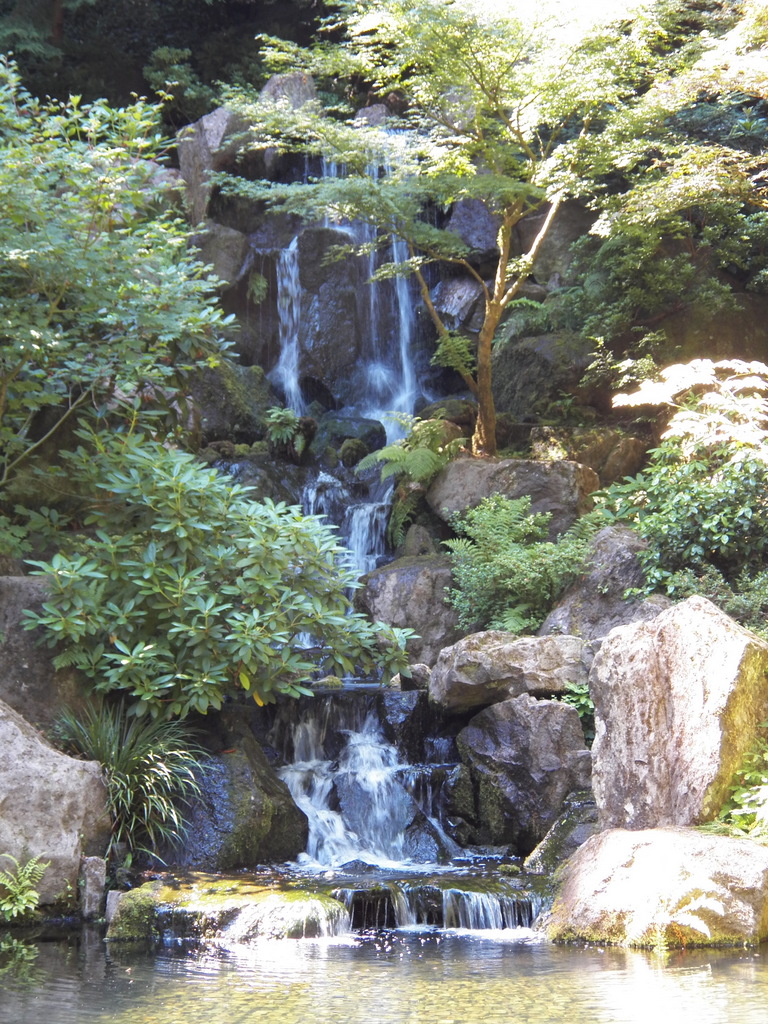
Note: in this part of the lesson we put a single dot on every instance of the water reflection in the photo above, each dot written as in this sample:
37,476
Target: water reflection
394,978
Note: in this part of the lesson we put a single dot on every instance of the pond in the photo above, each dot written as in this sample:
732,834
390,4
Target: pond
398,977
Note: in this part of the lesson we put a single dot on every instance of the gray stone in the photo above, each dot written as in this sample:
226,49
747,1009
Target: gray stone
560,488
577,822
455,300
678,702
524,757
595,604
491,666
554,258
612,454
51,806
529,372
206,146
28,681
92,883
411,592
293,89
224,249
665,887
476,226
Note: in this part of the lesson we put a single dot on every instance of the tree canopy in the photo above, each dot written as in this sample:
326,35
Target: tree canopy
486,106
101,297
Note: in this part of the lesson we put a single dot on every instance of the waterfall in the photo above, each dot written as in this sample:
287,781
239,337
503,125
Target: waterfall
364,806
285,375
355,804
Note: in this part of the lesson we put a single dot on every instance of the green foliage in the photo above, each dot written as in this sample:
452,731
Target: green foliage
427,447
746,810
744,598
477,88
703,500
578,696
507,574
414,460
169,72
17,960
282,424
18,895
184,591
150,767
100,295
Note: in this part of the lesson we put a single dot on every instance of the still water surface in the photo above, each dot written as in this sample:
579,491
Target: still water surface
399,978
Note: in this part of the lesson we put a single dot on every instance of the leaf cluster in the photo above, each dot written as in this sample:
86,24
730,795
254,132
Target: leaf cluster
702,499
185,591
414,461
18,895
507,575
746,810
101,295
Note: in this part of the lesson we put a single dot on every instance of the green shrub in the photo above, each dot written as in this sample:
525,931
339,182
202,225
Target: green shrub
184,590
746,810
703,499
150,769
18,895
578,696
507,574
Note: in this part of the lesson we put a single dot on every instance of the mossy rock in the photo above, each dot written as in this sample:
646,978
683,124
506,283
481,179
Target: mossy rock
234,908
232,401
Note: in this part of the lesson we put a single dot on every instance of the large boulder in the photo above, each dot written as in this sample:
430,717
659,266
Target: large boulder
207,146
612,453
678,701
28,681
524,756
596,603
554,258
492,666
232,401
244,815
51,806
531,372
660,888
411,592
560,488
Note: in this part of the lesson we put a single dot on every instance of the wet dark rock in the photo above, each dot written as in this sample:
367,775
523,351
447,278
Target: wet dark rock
577,822
245,815
524,756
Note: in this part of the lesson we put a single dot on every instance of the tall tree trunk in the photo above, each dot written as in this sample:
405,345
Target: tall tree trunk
484,437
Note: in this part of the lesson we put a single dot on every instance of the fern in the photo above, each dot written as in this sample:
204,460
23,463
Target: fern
507,575
18,894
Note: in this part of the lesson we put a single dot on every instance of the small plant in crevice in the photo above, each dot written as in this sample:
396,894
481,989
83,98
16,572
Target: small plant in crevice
577,695
414,461
289,435
18,892
507,574
745,813
150,767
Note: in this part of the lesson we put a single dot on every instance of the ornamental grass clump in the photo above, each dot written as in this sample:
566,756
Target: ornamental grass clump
150,767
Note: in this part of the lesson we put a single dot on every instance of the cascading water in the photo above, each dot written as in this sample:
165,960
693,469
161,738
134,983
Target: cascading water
286,373
373,824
